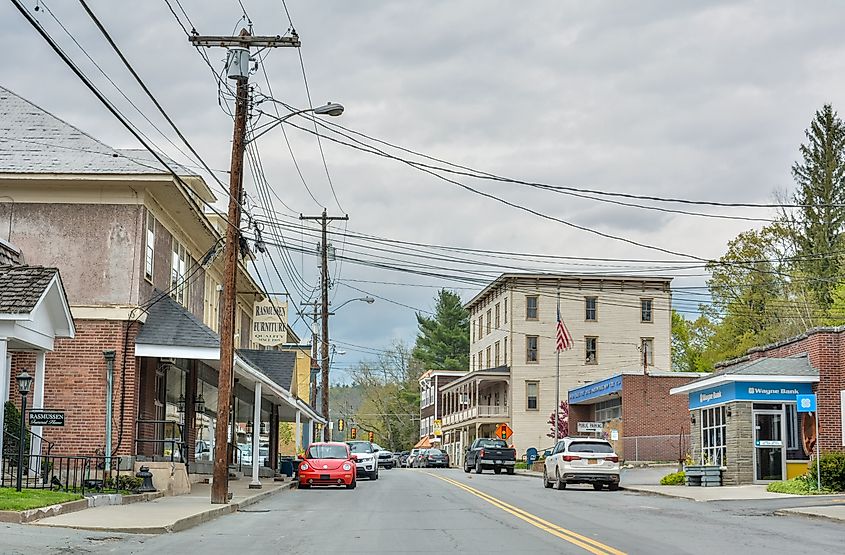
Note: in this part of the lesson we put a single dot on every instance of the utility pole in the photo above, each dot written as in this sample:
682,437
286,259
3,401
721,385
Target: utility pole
324,282
312,384
237,65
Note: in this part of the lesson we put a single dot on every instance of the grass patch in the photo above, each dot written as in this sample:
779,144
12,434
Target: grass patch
10,500
800,485
674,479
521,464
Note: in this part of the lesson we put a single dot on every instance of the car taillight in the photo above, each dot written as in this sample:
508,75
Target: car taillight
570,458
612,459
481,453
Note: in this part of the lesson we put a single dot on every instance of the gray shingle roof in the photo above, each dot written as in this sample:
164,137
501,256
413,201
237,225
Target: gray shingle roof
21,287
34,141
168,323
9,254
276,365
786,366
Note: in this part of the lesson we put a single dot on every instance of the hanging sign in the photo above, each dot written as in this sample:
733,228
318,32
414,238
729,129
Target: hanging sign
438,427
41,417
269,322
590,427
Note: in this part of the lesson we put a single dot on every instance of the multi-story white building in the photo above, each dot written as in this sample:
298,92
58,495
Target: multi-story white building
616,323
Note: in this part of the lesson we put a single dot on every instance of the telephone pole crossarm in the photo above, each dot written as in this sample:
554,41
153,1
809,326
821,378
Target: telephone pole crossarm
276,41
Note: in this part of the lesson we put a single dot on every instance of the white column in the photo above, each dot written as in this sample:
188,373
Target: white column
38,403
5,376
256,431
297,429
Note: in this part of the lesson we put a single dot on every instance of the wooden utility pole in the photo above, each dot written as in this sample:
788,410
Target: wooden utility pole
238,69
312,384
324,283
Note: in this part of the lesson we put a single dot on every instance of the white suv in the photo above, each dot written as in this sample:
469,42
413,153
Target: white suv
582,460
366,462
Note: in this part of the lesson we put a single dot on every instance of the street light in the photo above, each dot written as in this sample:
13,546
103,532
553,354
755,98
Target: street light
24,383
330,109
368,300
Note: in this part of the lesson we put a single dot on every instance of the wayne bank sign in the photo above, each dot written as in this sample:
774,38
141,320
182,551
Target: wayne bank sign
748,391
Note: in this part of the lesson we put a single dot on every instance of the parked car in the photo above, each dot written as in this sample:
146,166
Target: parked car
409,462
431,458
202,451
327,464
489,454
403,458
366,458
386,459
582,460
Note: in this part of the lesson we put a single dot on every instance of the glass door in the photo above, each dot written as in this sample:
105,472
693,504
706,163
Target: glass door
768,446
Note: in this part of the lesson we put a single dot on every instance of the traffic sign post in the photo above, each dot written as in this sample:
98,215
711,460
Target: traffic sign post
503,431
807,403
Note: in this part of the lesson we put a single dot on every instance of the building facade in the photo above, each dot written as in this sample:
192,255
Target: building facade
431,409
616,323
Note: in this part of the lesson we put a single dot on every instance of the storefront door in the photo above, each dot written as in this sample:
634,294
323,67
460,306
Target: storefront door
769,458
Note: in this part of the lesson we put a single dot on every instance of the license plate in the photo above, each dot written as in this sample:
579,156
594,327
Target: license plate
325,476
498,462
592,461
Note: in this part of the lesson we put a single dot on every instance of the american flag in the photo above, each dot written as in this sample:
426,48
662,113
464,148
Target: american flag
563,341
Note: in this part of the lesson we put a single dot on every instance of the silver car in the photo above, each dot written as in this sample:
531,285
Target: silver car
366,456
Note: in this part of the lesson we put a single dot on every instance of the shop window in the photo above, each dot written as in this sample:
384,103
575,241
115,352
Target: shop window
713,436
798,447
531,310
531,355
608,410
532,395
590,309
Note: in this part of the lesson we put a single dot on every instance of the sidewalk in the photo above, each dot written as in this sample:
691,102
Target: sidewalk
166,514
836,513
722,493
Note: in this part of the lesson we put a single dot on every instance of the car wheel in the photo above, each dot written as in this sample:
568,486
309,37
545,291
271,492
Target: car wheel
613,487
497,470
352,484
478,469
597,487
467,469
546,482
510,471
559,483
374,475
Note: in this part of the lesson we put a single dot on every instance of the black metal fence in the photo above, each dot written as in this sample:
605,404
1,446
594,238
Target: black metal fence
164,439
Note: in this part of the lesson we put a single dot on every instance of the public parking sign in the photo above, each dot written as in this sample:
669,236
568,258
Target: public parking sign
806,403
46,418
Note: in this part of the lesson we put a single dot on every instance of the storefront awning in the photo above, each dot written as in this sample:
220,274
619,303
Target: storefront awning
170,331
424,443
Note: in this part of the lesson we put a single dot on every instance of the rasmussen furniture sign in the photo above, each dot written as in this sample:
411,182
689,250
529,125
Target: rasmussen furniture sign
269,322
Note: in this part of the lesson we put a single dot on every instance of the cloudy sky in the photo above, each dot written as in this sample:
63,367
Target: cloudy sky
695,100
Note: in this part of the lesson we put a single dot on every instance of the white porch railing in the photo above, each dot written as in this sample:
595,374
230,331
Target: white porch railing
481,411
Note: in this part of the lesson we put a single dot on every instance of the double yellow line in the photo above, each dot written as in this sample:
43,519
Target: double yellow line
574,538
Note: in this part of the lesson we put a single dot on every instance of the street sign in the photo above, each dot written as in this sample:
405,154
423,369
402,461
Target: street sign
438,427
590,427
806,403
503,431
46,418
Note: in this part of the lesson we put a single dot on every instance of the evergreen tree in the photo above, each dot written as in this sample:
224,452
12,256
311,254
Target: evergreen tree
820,177
443,341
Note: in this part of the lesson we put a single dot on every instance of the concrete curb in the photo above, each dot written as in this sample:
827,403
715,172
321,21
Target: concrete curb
816,516
29,515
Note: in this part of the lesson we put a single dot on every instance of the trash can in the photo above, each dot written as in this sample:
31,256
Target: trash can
286,466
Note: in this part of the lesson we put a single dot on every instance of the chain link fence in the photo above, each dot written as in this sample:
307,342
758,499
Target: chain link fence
665,448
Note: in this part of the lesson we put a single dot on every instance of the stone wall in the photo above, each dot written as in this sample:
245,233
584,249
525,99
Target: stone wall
740,445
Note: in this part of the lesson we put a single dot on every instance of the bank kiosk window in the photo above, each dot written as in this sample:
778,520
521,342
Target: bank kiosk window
713,436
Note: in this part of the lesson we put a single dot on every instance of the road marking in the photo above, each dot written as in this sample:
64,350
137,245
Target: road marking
574,538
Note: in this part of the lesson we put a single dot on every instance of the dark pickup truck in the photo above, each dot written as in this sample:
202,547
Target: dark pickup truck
489,454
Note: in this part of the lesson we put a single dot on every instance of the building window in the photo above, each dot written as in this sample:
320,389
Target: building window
646,313
713,436
590,312
480,327
505,349
647,351
506,310
149,253
472,339
488,357
591,352
498,322
532,395
179,273
608,410
531,355
480,360
531,312
496,349
473,362
489,320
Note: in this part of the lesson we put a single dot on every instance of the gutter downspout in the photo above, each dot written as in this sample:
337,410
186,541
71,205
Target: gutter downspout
109,356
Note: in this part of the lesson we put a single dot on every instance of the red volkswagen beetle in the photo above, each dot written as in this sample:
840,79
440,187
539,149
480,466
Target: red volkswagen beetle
327,464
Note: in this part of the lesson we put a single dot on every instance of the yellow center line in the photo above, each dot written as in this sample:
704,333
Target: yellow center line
574,538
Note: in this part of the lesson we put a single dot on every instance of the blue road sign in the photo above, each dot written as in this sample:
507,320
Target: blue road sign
806,403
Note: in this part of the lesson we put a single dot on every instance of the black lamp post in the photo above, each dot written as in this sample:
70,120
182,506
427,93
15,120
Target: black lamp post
24,383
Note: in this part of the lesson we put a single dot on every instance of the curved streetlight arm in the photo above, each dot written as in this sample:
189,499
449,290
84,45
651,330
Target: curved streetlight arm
368,300
330,109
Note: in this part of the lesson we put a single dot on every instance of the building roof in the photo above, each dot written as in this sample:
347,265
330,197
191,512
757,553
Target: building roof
276,365
563,280
34,141
169,323
779,369
21,287
9,254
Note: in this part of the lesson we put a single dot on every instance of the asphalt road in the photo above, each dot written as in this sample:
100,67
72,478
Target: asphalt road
447,511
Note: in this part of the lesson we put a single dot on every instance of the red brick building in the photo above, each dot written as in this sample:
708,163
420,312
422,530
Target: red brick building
636,413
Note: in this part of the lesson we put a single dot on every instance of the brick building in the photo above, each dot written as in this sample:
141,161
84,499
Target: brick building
140,259
636,413
744,416
431,408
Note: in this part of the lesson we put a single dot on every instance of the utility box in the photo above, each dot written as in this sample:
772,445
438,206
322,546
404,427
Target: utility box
237,63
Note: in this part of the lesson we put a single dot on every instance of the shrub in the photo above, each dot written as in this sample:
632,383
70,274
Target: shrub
674,479
124,482
800,485
832,470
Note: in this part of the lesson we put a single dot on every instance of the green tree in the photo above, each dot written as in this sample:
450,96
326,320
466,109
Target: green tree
820,196
690,342
443,340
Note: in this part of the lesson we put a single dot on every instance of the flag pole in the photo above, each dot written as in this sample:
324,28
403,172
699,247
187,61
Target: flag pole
557,377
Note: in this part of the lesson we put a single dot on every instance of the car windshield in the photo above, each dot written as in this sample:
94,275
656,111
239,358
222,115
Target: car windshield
361,447
435,452
327,452
492,444
590,447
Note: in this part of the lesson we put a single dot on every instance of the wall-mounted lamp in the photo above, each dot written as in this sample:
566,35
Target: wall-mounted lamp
728,411
692,417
